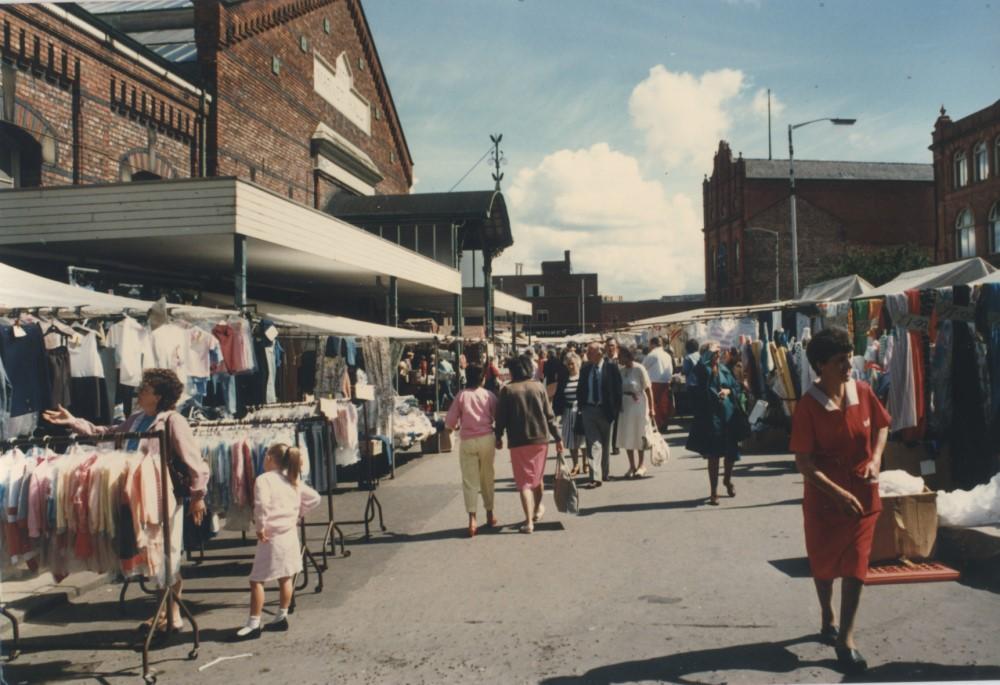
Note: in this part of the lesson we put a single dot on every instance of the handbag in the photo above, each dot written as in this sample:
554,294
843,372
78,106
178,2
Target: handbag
739,425
566,494
659,450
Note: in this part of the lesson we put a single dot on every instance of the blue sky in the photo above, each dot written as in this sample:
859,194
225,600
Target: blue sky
611,111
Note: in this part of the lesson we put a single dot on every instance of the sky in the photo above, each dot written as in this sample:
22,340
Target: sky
611,111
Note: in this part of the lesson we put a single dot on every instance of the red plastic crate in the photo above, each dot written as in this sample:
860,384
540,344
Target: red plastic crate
910,572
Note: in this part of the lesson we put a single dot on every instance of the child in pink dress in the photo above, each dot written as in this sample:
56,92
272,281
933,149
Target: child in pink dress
280,500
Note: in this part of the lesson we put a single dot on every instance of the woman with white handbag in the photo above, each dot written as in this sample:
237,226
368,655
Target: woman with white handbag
637,411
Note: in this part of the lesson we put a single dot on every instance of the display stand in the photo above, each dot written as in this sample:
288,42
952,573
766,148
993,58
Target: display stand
168,595
363,393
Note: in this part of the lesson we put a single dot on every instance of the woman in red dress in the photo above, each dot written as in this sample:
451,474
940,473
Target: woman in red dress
838,434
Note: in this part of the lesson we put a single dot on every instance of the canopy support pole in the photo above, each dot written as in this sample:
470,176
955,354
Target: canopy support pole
392,306
240,271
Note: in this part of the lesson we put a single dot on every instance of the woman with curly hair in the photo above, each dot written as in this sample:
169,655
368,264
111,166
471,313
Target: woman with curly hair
158,395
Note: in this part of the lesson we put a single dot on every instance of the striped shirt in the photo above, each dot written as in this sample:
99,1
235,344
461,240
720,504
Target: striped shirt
569,392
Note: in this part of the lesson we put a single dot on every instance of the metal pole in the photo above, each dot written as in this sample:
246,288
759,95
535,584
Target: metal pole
488,294
777,267
240,271
393,308
769,123
583,306
792,217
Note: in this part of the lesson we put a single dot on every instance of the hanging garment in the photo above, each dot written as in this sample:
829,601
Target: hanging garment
133,350
23,354
902,391
88,387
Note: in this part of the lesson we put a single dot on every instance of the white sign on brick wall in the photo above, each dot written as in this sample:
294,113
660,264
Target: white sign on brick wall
335,84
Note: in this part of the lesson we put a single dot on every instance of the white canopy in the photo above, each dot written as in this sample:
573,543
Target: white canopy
341,325
991,278
938,276
836,289
24,290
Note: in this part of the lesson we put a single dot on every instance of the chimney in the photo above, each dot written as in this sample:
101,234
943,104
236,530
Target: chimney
569,269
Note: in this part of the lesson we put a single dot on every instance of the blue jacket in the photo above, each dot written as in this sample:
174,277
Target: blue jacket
27,368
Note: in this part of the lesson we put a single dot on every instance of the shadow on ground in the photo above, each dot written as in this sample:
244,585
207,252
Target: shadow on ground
765,657
644,506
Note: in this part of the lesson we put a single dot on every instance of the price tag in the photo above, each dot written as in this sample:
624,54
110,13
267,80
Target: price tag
914,322
18,331
271,333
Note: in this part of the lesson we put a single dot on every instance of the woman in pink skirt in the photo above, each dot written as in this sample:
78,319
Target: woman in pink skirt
523,410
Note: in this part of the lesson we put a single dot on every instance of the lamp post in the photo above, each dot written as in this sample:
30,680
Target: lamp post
777,262
791,179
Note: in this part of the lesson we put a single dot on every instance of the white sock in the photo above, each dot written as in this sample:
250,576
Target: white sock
280,616
252,624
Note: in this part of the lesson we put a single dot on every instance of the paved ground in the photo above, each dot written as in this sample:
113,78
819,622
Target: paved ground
649,584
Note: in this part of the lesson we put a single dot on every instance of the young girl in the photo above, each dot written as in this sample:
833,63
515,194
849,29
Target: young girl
280,499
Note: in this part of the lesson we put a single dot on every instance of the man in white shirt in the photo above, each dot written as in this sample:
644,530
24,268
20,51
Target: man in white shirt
660,367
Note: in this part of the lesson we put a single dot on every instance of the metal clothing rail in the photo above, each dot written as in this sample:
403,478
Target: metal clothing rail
168,595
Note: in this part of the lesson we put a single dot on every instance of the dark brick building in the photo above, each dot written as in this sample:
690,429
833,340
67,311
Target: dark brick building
556,295
83,106
967,185
288,95
840,205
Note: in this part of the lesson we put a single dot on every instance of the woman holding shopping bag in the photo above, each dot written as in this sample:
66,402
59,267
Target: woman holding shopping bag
637,410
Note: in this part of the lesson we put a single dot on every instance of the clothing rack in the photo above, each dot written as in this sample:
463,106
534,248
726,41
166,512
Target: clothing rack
168,594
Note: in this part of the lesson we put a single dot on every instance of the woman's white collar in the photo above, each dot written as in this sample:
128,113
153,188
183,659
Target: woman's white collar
851,392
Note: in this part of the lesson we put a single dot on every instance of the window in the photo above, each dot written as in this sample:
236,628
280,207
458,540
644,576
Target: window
961,170
981,162
994,227
20,158
721,267
965,231
542,315
736,258
535,290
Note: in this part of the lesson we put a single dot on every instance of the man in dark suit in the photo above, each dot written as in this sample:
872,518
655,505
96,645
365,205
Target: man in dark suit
600,395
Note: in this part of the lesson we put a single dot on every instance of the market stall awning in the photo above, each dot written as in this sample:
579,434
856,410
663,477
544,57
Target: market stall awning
190,226
707,313
481,215
327,324
24,290
938,276
472,303
991,278
836,289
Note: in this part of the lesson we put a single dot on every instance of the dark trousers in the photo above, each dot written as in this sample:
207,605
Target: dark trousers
597,428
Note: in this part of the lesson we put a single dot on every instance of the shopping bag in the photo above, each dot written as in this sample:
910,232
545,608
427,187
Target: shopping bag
565,492
659,450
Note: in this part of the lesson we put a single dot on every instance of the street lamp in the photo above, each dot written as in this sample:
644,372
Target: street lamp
791,179
777,263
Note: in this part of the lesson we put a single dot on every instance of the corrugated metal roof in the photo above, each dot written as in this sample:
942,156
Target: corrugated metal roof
176,45
840,171
179,52
115,6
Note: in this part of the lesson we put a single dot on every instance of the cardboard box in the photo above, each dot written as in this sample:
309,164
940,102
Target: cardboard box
437,443
920,459
907,527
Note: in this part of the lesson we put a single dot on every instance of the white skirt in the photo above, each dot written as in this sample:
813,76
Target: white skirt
279,557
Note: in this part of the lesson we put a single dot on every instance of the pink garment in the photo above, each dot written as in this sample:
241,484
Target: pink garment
278,505
345,425
40,488
528,463
182,442
474,409
236,487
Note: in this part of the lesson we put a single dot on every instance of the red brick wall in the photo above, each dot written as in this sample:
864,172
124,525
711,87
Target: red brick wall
265,121
561,299
70,92
978,196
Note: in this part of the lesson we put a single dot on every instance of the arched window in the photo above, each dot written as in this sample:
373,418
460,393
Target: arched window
981,161
961,170
965,235
20,158
721,267
994,227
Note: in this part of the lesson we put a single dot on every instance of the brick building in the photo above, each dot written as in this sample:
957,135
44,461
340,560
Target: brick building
967,185
840,206
289,96
617,313
83,106
556,294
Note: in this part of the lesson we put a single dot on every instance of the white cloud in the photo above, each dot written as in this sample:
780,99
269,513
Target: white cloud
682,116
596,203
759,104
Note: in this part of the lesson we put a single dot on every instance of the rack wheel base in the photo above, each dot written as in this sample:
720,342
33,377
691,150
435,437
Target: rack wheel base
193,654
149,678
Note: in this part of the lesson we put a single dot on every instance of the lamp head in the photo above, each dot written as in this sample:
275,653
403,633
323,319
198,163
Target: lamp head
843,122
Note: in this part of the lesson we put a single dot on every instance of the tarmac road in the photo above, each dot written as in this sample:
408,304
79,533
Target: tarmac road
648,584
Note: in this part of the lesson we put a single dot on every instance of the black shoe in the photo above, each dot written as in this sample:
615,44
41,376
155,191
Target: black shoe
252,635
850,660
829,635
277,626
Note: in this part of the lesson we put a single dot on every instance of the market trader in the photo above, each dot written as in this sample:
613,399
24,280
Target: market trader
838,434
